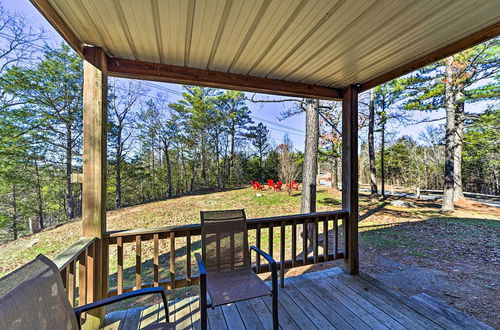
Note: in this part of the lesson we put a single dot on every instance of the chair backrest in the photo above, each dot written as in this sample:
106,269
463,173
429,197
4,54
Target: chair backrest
33,297
224,240
270,182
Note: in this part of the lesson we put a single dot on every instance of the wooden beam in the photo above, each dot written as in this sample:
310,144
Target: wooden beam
51,15
488,33
191,76
350,177
94,142
95,81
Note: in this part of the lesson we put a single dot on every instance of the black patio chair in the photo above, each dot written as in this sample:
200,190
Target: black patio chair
33,297
225,267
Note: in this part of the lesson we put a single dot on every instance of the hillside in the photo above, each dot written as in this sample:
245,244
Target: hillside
175,211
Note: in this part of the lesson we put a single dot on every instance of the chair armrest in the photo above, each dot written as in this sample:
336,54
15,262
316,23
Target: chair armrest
201,265
274,278
203,292
266,256
107,301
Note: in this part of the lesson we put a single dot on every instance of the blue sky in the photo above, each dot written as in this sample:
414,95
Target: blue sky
268,113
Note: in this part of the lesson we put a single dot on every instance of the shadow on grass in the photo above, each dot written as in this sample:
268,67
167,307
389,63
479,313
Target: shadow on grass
194,193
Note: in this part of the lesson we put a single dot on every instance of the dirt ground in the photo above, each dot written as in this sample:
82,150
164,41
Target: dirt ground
455,258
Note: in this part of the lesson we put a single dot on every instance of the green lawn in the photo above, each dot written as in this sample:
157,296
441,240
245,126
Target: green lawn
382,226
175,211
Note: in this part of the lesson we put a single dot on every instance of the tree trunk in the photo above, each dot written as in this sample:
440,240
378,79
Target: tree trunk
217,161
449,173
69,192
260,165
203,168
169,170
231,157
118,184
382,152
371,149
310,167
39,195
458,192
14,212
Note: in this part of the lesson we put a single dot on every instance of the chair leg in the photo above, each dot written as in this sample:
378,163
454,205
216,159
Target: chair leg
276,323
282,273
203,303
203,313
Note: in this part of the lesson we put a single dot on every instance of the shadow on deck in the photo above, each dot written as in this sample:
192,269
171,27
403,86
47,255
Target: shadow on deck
327,299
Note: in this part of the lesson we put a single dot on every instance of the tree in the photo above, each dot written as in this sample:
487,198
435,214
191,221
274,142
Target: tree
466,77
52,90
18,39
385,96
371,148
195,111
310,167
123,98
482,152
259,136
288,167
168,130
237,120
331,139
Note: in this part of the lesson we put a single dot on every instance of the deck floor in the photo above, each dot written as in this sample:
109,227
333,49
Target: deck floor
326,299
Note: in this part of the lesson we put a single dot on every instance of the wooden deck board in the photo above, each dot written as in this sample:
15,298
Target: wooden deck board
248,315
216,319
426,312
324,308
328,299
450,313
308,307
344,313
183,314
404,315
262,312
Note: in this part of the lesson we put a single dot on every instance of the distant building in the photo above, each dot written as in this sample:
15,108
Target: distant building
325,179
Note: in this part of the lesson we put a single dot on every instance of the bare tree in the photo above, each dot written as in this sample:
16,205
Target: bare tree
371,148
288,167
123,98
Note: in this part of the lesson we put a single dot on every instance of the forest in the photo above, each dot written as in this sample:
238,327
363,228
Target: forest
207,138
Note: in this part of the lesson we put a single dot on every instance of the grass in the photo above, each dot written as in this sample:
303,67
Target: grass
453,243
410,231
175,211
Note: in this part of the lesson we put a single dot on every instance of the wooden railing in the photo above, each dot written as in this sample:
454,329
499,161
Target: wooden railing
76,266
147,253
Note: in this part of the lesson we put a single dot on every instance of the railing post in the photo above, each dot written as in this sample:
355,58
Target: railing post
350,177
94,169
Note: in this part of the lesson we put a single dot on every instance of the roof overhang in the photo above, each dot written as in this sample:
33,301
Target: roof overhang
296,48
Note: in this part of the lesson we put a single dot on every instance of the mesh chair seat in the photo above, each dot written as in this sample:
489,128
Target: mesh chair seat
33,297
225,267
231,286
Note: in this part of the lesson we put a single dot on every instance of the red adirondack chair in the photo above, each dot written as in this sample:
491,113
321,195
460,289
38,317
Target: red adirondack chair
294,185
270,184
253,184
259,186
278,186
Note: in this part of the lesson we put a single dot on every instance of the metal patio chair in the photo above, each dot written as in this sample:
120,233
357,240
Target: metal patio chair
225,267
33,297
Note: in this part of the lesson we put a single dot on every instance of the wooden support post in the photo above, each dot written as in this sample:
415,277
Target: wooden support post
94,168
350,177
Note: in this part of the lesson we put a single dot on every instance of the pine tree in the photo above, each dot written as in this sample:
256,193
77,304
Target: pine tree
466,77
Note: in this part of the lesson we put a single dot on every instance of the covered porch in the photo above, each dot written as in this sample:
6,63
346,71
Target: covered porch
318,49
326,299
